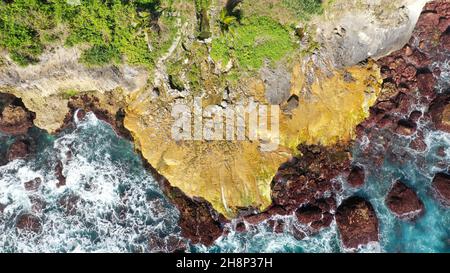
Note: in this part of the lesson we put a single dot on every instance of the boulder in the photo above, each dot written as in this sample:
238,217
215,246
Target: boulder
15,120
356,176
28,222
404,202
440,112
441,186
33,185
19,149
357,222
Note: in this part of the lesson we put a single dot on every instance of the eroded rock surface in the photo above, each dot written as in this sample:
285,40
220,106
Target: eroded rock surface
404,202
384,26
357,222
20,149
440,112
210,180
28,222
356,176
15,119
441,186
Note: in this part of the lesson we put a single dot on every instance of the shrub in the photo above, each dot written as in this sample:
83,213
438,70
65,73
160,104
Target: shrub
258,39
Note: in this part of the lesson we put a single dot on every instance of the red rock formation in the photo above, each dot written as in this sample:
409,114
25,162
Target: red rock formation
20,149
318,214
410,79
356,176
59,175
357,222
306,179
404,202
198,221
15,119
440,112
441,186
33,185
169,244
28,222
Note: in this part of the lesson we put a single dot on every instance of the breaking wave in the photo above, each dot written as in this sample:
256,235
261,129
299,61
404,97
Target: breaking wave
117,206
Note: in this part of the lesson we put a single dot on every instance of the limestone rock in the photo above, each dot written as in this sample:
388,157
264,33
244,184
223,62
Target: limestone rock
352,35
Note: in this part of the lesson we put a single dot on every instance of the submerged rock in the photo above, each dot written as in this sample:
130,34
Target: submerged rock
20,149
404,202
441,186
33,185
357,222
169,244
59,174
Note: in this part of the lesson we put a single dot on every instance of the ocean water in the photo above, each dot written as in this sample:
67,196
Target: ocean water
120,205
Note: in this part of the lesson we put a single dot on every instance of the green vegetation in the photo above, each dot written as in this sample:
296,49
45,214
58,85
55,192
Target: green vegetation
253,42
100,55
67,94
174,71
229,15
305,8
112,30
201,7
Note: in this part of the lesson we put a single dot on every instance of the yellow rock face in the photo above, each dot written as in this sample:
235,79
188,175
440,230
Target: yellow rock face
237,174
331,108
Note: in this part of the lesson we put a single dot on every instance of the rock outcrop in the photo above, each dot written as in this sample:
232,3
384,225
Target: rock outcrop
306,179
441,187
209,180
404,202
15,119
357,222
410,81
440,112
384,26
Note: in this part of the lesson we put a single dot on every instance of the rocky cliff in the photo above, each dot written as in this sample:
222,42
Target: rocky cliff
324,84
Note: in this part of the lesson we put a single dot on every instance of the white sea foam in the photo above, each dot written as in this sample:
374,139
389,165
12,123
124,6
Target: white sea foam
119,203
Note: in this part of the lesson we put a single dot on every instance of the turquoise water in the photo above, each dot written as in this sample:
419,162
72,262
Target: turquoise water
108,175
